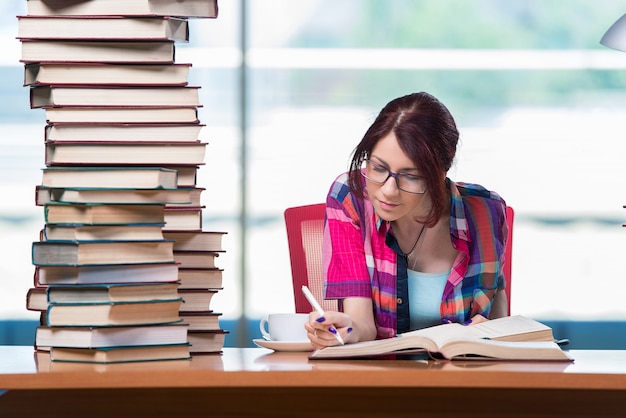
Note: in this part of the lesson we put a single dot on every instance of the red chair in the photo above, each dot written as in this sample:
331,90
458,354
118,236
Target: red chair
508,255
305,228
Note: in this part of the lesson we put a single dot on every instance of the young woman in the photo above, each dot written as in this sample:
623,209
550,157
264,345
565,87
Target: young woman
405,247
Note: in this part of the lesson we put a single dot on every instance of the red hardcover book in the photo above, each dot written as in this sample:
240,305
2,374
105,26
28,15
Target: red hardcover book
201,321
184,8
127,52
196,259
123,115
197,278
206,342
196,300
98,73
114,196
115,273
108,28
195,240
119,153
113,96
183,218
122,132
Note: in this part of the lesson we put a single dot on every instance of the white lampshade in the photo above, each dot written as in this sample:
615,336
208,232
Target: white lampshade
615,37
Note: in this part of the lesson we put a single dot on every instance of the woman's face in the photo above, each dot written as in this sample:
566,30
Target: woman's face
390,202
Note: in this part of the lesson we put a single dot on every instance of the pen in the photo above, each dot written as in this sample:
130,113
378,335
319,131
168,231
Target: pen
309,296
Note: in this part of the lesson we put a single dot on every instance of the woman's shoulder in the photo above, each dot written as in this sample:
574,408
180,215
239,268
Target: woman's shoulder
340,188
475,204
467,191
340,197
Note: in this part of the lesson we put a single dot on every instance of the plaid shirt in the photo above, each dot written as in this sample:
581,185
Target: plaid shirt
359,263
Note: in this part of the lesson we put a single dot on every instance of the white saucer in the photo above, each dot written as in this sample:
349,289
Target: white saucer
284,345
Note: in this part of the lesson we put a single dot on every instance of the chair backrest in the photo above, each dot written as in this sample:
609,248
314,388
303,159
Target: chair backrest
305,229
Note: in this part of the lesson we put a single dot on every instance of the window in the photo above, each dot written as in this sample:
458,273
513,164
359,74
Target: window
538,101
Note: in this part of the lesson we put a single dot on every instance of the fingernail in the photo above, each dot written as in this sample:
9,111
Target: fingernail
469,321
321,319
349,330
333,330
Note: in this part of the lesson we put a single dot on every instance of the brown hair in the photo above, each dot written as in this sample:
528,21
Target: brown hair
426,132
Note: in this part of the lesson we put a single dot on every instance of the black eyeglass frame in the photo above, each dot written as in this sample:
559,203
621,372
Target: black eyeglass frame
389,174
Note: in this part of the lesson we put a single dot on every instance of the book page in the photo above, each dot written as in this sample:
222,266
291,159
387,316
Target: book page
505,350
509,328
440,334
514,328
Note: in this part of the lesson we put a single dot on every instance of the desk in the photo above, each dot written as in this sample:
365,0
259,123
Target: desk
250,382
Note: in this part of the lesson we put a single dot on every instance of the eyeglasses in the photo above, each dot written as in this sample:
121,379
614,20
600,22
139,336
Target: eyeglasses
379,174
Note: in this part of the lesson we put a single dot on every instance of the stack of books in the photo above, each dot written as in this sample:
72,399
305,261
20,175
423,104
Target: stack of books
195,252
122,210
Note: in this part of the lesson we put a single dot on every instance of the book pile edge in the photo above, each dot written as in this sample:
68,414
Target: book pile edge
124,271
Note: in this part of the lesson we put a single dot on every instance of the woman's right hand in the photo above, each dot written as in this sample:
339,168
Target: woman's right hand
322,331
355,323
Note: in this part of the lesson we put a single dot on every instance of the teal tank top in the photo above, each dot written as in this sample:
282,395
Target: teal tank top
425,291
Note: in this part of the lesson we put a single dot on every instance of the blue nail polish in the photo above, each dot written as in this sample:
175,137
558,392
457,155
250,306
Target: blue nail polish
469,321
350,330
321,319
333,330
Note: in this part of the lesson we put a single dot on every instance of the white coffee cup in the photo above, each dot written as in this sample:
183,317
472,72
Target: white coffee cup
284,327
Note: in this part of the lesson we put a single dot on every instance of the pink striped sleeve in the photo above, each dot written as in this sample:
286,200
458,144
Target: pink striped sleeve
344,257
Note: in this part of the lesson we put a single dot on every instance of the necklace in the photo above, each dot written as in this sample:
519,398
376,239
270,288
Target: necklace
407,255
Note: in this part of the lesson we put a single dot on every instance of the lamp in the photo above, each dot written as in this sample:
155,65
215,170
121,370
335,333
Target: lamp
615,37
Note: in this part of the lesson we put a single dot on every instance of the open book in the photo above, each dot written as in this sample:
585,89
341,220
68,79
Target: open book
508,338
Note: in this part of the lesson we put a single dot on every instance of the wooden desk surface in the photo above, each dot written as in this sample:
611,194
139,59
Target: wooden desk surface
279,382
21,368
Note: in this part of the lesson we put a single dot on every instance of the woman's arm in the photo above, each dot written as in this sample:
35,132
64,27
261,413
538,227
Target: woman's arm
499,306
363,325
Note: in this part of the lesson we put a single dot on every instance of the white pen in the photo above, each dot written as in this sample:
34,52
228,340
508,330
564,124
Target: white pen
309,296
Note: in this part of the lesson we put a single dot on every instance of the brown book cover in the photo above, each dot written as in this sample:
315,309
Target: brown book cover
206,342
187,174
94,337
196,300
118,292
109,28
183,218
99,73
123,132
196,278
121,354
114,273
76,195
130,153
125,232
103,214
195,240
126,177
129,52
196,259
36,299
111,95
113,313
84,253
182,8
194,203
201,321
130,115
